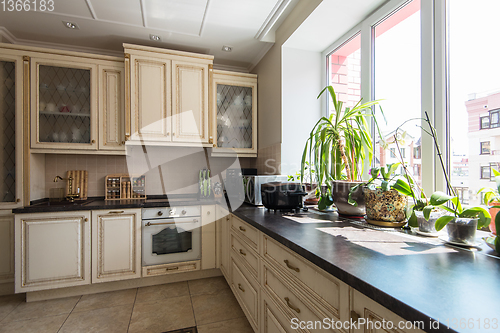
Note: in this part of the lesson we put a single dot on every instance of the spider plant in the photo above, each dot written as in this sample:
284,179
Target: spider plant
339,147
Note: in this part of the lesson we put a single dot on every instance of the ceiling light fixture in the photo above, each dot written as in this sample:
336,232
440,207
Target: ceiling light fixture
70,25
226,48
156,38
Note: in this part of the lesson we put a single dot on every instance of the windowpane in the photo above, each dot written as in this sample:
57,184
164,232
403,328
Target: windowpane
344,72
397,85
474,93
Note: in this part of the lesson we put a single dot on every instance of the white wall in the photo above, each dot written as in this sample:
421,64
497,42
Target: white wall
301,84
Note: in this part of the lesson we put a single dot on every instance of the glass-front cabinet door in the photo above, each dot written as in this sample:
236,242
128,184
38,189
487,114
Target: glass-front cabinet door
63,104
235,113
11,129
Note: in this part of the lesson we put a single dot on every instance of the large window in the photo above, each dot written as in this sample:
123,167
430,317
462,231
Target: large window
397,74
474,92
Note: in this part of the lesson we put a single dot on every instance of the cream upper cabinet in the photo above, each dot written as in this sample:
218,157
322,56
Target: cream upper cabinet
116,245
12,91
63,102
234,107
190,102
6,248
112,107
52,250
168,92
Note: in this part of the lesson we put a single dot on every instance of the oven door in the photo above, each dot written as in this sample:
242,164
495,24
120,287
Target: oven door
170,240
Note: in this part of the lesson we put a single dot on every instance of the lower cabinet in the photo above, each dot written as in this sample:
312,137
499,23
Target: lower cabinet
247,290
6,248
274,320
224,221
116,245
52,250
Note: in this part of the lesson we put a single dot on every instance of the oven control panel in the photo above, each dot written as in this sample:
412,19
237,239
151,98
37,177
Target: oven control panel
170,212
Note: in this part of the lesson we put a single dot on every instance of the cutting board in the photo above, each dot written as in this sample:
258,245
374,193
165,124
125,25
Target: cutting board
80,180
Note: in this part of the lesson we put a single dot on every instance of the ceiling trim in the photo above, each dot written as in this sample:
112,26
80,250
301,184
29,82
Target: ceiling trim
91,9
143,13
26,42
230,68
259,56
272,18
204,18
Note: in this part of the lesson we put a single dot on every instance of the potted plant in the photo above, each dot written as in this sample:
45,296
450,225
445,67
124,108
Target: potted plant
492,199
338,147
311,187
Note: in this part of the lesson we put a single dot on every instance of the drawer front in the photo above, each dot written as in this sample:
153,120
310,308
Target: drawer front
246,290
320,286
179,267
273,319
295,303
248,233
245,254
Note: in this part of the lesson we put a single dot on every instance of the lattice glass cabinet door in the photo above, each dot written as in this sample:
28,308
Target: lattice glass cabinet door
235,113
11,93
63,105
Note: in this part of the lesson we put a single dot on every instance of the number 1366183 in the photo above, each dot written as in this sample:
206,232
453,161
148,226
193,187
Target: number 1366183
27,5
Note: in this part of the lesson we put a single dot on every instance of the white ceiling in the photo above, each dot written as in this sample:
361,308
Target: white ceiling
202,26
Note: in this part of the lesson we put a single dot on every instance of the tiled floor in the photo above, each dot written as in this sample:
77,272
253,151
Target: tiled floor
206,303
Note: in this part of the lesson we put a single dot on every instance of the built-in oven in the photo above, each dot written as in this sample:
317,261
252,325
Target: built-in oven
171,234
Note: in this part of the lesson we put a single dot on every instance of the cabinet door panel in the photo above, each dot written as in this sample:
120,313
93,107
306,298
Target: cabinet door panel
190,102
6,248
111,108
151,100
116,245
52,251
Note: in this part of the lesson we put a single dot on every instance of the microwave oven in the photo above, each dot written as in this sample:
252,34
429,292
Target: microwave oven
252,186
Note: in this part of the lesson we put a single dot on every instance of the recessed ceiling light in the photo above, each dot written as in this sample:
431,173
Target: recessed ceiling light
156,38
226,48
70,25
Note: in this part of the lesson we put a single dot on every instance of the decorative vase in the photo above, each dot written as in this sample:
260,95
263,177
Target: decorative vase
462,230
340,198
388,206
427,226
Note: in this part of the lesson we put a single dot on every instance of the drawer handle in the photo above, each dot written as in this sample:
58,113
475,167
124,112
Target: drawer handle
240,287
292,267
172,268
355,316
242,252
117,212
227,218
243,229
291,306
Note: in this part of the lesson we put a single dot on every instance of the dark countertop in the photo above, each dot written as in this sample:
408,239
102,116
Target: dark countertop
415,277
99,203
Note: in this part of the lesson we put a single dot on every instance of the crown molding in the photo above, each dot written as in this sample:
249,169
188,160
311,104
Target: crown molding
271,19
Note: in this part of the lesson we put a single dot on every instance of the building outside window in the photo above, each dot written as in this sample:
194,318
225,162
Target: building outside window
485,148
494,119
393,152
417,152
403,152
485,122
486,172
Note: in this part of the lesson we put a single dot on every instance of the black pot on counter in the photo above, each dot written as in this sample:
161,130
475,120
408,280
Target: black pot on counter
277,195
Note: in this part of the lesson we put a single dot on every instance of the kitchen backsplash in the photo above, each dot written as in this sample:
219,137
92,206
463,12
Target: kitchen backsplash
168,170
269,160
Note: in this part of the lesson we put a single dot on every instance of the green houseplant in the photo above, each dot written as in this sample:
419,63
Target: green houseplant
338,148
492,199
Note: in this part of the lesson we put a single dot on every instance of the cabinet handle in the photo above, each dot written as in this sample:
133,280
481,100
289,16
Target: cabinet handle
160,213
208,213
240,287
168,133
172,268
85,220
93,141
355,316
242,252
293,268
117,212
215,145
243,229
227,218
123,142
294,308
18,200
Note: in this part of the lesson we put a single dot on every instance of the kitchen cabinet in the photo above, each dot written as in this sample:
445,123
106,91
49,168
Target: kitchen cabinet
376,314
234,104
63,103
11,125
52,250
168,93
116,245
6,248
224,218
208,248
112,107
273,319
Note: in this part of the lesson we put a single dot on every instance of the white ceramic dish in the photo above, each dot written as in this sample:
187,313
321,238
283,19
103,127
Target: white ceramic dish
447,241
426,234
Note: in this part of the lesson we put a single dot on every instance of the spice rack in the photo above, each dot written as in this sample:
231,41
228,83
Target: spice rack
123,186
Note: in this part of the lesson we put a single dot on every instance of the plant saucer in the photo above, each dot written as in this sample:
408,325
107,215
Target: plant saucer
446,240
490,241
426,234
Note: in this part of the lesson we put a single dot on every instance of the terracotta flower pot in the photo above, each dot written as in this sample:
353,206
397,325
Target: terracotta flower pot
493,213
389,206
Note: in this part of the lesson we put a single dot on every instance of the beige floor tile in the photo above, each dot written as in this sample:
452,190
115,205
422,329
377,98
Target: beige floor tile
39,325
42,309
9,303
105,300
162,292
170,314
215,307
208,285
240,325
109,320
